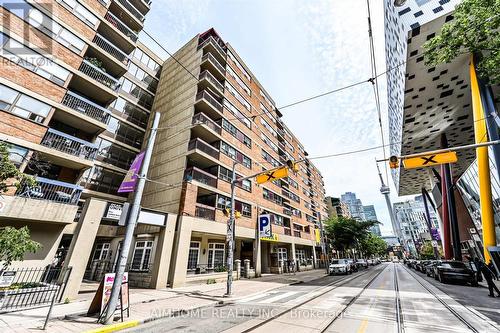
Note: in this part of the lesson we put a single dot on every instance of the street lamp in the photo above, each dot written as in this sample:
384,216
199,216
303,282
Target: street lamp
399,3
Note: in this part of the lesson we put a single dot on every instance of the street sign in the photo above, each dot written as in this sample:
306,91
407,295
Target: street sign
272,175
265,226
273,238
430,160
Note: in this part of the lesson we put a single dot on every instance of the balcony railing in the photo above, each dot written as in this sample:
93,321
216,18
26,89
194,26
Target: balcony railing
107,46
210,78
99,75
52,190
214,43
205,212
132,9
296,233
204,147
118,24
83,105
287,211
69,144
212,101
288,231
216,63
200,176
200,118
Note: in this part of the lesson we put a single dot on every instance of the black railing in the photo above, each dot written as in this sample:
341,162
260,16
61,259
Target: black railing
33,287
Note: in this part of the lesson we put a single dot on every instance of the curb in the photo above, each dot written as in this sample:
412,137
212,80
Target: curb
115,327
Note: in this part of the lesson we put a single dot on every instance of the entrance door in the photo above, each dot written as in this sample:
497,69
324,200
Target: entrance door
282,256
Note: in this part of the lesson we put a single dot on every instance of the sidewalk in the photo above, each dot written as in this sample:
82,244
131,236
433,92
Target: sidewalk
147,304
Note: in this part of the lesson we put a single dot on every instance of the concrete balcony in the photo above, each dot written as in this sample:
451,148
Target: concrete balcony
206,103
118,32
210,63
95,82
205,128
99,75
113,58
51,190
200,176
205,212
207,80
211,45
81,104
69,144
129,10
202,154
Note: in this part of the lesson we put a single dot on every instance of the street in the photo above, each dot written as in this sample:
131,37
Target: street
385,298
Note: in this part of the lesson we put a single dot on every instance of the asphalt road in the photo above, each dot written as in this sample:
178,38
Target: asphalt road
385,298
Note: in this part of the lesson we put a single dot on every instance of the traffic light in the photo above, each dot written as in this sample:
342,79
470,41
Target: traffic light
237,214
227,213
294,166
393,162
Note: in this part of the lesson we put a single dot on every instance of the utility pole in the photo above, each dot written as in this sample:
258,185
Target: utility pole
230,237
428,220
131,223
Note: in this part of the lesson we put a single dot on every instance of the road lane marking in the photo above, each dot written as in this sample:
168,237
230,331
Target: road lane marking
278,297
362,327
251,298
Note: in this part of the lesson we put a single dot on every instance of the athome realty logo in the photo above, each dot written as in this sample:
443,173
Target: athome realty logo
21,41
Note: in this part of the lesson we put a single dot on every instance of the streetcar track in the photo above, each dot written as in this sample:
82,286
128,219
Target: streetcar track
399,310
448,307
336,284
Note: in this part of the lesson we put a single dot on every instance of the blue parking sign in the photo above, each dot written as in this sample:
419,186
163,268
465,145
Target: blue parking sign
265,225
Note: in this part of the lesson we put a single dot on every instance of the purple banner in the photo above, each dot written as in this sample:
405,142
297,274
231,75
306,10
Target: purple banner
128,183
435,234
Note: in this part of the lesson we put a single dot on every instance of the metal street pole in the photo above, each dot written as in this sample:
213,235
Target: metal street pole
132,221
230,237
428,220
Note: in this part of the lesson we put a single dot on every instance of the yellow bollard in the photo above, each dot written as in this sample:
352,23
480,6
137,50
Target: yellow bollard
483,166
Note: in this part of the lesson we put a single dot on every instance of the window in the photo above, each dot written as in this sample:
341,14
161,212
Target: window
144,97
80,11
236,94
271,196
236,133
216,253
227,175
238,80
45,24
102,180
194,255
17,155
114,154
268,127
267,99
300,255
235,154
125,133
224,202
237,63
25,57
142,255
269,142
22,105
130,111
234,110
266,156
150,81
101,252
146,60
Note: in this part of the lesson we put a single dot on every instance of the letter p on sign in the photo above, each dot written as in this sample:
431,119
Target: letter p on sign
265,225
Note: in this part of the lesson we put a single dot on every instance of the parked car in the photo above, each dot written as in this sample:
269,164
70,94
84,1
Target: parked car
395,260
377,261
354,267
420,266
456,271
370,262
429,268
362,263
339,266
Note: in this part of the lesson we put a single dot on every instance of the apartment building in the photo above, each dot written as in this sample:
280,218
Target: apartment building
215,117
76,90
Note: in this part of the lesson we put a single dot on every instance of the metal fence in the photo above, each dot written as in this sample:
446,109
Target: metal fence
33,287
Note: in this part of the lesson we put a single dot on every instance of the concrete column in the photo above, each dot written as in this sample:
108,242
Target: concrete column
203,258
163,254
82,244
257,256
181,252
293,252
314,256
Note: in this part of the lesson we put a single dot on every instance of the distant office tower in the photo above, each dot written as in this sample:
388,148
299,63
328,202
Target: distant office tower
371,215
354,205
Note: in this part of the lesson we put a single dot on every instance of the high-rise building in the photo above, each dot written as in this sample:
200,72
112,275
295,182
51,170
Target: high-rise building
354,205
411,217
76,91
224,120
371,215
334,207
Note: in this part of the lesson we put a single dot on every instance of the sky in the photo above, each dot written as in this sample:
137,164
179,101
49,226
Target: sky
298,49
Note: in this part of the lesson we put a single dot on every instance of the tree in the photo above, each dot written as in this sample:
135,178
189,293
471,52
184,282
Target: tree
9,173
345,233
372,245
427,252
474,30
14,244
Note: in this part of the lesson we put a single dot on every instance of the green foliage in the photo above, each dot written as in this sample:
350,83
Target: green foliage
9,173
14,244
427,252
345,233
372,245
475,30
